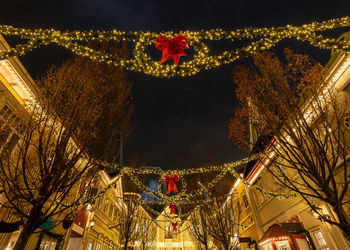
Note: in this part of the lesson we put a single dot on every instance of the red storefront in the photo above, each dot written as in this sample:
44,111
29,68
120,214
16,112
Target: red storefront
278,237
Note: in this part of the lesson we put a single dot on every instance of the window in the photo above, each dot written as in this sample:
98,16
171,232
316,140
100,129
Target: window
13,239
12,143
282,245
105,210
5,112
245,200
48,244
167,233
90,246
347,122
319,239
98,246
268,247
10,129
239,207
100,201
4,134
115,214
110,214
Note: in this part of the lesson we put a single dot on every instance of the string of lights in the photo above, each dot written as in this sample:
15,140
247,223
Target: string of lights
180,172
265,38
184,197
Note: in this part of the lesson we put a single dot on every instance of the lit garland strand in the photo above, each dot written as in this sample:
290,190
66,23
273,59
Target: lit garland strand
156,221
261,190
184,197
141,62
180,172
179,216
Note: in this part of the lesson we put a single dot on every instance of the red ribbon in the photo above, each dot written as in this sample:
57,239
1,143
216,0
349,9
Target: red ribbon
172,208
171,183
174,225
172,48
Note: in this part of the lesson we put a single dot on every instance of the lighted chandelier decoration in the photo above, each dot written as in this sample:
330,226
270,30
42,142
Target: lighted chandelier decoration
262,39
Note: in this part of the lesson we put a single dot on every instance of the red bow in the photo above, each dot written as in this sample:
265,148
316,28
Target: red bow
172,48
174,225
172,208
171,183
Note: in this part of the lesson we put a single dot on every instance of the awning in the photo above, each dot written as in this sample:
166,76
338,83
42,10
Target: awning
274,232
9,227
49,224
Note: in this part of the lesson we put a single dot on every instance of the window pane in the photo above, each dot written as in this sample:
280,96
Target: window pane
4,134
239,207
90,246
12,143
110,211
283,245
100,200
5,112
245,200
115,214
106,206
319,239
98,246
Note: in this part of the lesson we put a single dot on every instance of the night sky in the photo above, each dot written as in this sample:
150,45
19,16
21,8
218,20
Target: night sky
179,122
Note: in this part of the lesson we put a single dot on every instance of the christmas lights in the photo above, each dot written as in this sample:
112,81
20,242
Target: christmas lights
265,38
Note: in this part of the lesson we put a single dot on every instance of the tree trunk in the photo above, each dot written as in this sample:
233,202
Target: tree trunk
126,245
28,229
344,221
24,236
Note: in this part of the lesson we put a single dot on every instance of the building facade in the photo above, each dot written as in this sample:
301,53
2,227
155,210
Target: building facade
17,95
168,237
91,227
271,216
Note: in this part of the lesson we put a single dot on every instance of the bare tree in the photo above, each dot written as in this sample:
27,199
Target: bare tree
129,223
149,234
40,178
199,228
221,224
300,119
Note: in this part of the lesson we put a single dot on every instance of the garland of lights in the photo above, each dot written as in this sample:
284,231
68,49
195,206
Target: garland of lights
261,190
156,221
265,38
169,216
180,172
183,197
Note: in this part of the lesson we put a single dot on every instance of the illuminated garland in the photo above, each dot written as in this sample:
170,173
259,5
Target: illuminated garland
263,191
155,221
179,215
184,197
180,172
265,38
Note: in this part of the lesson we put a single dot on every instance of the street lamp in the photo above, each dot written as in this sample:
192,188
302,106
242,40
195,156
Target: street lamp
92,223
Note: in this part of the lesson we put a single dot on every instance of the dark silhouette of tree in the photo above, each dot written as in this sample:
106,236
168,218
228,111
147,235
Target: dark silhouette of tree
130,221
42,176
199,229
221,224
301,118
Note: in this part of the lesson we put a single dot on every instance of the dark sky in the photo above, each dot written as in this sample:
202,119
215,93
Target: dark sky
177,123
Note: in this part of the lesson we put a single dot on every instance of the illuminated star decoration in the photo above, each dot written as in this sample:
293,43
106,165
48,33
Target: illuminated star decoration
172,48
